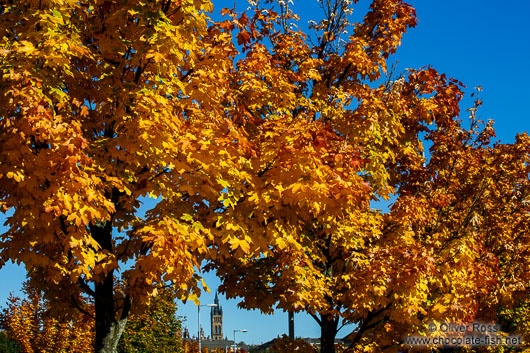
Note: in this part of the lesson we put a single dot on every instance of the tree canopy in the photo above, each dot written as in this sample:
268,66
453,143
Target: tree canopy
351,133
104,104
257,148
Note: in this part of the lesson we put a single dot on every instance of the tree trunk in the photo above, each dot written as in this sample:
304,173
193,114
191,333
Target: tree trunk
328,331
291,325
109,327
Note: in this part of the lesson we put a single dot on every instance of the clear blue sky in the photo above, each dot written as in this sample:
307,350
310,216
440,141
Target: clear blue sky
484,43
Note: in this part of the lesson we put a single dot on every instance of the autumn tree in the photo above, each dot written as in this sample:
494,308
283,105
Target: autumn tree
286,344
297,216
156,329
329,131
31,323
103,105
262,155
190,346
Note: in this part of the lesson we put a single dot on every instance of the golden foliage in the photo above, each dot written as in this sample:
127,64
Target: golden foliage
104,104
258,152
31,323
326,137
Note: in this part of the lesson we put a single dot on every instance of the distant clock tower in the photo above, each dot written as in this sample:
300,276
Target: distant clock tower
217,320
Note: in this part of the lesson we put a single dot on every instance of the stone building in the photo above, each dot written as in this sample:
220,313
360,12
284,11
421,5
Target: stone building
216,316
215,339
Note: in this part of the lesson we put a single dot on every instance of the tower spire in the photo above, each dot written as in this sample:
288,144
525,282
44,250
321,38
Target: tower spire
217,319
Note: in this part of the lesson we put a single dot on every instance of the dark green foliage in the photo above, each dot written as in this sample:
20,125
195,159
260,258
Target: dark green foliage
7,345
157,330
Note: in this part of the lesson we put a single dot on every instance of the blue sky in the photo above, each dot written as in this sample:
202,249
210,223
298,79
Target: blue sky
484,43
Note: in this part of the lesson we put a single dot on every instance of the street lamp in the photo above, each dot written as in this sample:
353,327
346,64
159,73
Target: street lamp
235,345
199,320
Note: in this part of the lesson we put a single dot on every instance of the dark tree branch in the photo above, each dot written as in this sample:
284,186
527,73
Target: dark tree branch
80,308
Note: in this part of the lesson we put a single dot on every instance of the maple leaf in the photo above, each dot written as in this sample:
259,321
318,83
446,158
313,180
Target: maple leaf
243,37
